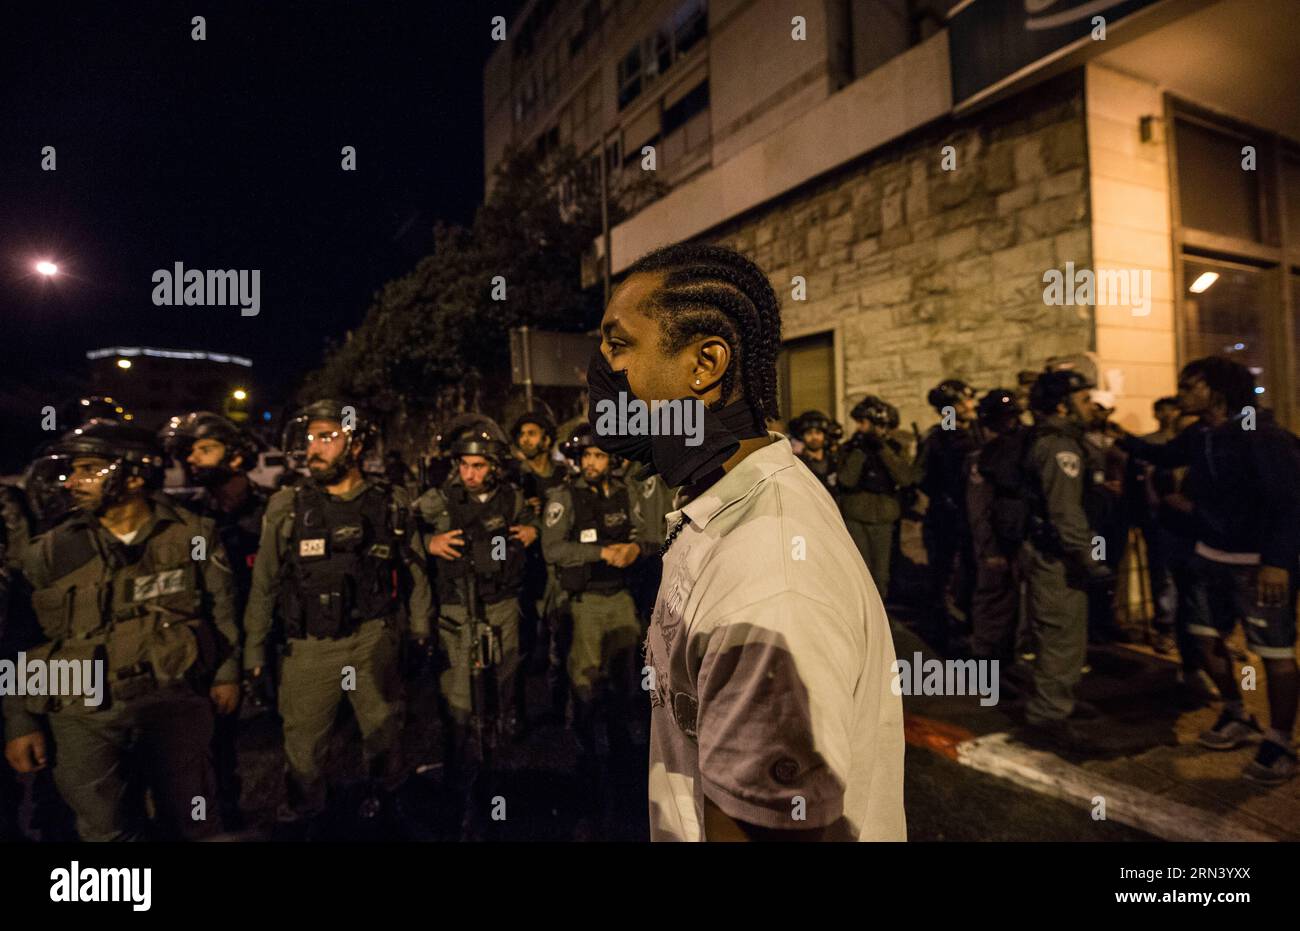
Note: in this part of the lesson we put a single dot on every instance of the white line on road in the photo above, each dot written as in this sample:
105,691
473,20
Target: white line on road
1047,773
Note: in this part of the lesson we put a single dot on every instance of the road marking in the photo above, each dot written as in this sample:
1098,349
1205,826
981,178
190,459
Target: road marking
1048,774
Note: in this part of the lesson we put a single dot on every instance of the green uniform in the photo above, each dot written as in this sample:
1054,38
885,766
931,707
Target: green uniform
1056,561
159,612
327,564
657,500
498,562
580,520
871,471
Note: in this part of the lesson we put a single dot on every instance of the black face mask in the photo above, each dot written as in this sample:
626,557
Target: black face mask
678,463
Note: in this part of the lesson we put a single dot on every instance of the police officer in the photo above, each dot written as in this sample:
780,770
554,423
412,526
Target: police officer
216,455
644,575
544,622
819,436
995,601
478,523
145,587
13,533
339,559
590,535
941,467
873,467
1056,557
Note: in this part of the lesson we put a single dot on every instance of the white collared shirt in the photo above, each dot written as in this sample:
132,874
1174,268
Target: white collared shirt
771,657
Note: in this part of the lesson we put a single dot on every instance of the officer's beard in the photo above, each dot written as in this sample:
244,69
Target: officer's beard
211,476
593,477
331,474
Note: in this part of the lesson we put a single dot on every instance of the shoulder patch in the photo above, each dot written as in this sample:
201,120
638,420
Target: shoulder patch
554,511
1069,463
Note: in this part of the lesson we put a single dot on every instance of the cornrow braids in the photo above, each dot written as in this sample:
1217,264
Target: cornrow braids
711,290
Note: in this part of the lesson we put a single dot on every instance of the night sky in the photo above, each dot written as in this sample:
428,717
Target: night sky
223,153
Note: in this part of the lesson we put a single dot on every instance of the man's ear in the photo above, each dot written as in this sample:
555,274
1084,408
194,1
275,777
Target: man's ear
712,360
134,483
237,462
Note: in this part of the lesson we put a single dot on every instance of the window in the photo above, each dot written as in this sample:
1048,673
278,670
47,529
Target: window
806,375
1291,184
1229,316
695,101
690,23
550,72
1214,193
654,55
629,77
1235,259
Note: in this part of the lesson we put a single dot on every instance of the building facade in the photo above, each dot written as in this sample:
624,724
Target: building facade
155,384
948,189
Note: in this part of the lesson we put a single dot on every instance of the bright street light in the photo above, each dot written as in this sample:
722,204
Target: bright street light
239,394
124,363
48,269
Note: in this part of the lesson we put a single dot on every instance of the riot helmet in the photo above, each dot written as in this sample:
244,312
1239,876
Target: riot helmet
183,432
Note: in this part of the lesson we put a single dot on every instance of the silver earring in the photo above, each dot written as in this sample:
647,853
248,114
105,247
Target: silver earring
697,381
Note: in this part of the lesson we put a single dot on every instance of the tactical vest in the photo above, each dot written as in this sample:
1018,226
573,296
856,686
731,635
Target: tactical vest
822,469
1019,510
874,477
486,526
343,564
240,533
140,608
536,486
601,520
1003,464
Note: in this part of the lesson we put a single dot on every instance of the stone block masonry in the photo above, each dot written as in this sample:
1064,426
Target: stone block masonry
926,273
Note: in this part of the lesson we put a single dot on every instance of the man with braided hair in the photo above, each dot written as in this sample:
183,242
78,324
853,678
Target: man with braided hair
768,656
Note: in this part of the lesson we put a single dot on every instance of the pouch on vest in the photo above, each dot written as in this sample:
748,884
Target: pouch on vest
574,579
148,652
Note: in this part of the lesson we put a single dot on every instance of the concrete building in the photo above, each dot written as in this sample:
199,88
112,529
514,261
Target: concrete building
155,384
944,189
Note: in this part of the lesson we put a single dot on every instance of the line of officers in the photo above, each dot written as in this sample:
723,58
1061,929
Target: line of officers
1015,494
329,588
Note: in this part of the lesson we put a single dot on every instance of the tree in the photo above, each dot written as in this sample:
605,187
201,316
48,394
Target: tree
435,341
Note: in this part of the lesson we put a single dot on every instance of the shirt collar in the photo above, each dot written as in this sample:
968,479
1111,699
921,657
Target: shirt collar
752,471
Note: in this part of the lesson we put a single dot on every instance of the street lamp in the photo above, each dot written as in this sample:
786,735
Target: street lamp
239,394
47,268
124,363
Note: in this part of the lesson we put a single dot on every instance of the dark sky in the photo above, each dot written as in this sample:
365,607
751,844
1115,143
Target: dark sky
225,153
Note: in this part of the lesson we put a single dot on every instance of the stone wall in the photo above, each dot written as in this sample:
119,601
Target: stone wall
925,274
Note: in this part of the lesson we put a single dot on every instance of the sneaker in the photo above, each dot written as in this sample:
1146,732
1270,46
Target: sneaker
1230,732
1273,765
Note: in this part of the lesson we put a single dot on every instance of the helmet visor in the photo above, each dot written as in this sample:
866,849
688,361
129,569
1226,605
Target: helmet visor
66,481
